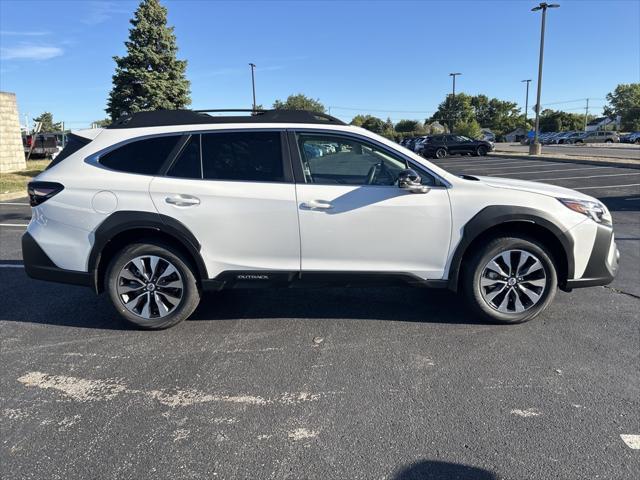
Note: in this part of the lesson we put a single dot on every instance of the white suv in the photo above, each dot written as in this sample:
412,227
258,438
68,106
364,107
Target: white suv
162,206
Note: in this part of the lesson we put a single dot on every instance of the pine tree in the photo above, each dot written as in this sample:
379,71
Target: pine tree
149,76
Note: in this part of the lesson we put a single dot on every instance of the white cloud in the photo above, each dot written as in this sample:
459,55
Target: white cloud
101,11
12,33
30,52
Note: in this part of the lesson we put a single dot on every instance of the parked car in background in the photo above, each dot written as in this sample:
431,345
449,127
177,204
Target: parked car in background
633,137
44,144
440,146
488,135
573,137
598,137
419,143
560,138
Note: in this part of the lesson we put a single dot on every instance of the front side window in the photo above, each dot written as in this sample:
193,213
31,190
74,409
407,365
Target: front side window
342,160
245,156
143,156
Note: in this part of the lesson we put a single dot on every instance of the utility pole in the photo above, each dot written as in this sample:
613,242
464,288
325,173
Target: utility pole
526,101
535,148
586,115
253,84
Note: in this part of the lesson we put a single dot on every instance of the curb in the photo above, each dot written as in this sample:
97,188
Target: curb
615,162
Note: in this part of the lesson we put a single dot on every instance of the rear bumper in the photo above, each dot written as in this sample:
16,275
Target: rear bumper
39,266
603,262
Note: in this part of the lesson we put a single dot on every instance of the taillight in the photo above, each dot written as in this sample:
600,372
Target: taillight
42,191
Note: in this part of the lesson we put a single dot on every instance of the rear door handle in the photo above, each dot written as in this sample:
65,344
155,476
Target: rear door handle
183,200
316,205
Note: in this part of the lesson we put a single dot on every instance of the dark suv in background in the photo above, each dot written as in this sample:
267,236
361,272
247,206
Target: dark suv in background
440,146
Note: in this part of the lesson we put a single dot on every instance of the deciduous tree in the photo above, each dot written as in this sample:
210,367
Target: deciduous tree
625,101
300,102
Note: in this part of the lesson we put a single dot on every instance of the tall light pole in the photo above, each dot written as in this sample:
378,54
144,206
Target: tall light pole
453,99
526,101
534,148
454,75
253,84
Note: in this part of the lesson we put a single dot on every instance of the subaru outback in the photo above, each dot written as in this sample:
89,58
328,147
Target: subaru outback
160,207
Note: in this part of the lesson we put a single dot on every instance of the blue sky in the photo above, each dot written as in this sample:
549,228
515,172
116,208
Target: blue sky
388,58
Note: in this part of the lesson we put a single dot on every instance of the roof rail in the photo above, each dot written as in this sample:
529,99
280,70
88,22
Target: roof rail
162,118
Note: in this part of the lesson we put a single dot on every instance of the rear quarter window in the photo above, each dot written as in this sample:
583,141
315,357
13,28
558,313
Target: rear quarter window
144,157
74,143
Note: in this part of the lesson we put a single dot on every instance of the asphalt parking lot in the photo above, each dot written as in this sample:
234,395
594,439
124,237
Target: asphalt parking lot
394,383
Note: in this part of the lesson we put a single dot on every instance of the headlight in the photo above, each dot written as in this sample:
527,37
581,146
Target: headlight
596,211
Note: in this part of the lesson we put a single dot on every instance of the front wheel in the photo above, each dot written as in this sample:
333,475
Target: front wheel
482,151
608,140
511,280
152,285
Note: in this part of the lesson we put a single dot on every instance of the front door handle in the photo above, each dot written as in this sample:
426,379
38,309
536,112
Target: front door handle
316,205
182,200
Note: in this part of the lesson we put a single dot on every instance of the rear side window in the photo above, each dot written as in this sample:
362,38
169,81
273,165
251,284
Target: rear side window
74,143
246,156
144,156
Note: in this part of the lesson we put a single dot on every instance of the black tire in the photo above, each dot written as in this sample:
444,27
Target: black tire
578,142
482,151
441,153
637,141
473,272
190,293
608,140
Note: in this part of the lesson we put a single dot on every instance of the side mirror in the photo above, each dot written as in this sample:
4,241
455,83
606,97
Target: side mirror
410,180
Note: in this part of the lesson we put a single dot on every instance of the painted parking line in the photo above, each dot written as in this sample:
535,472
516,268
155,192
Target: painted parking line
488,164
608,186
482,159
632,441
11,265
14,203
14,224
539,166
546,171
589,176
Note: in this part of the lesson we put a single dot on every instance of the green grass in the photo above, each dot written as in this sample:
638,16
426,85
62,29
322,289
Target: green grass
16,182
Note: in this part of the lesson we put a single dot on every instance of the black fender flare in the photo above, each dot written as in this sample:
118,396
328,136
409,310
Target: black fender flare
495,215
125,220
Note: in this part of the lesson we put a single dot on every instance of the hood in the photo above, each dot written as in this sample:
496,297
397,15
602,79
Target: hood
534,187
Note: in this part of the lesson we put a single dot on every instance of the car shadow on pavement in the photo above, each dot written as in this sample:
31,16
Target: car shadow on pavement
67,305
436,470
404,304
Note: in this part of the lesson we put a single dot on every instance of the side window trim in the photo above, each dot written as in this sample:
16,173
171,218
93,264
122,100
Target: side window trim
296,160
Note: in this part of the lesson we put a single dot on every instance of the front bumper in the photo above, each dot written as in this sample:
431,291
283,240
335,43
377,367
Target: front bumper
39,266
603,262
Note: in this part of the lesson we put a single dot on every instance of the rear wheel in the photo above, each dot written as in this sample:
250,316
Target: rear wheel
608,140
152,285
441,153
511,280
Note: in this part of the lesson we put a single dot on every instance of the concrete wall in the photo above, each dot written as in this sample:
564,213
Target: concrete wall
11,150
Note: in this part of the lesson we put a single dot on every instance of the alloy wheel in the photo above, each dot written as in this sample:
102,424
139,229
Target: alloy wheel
150,286
513,281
